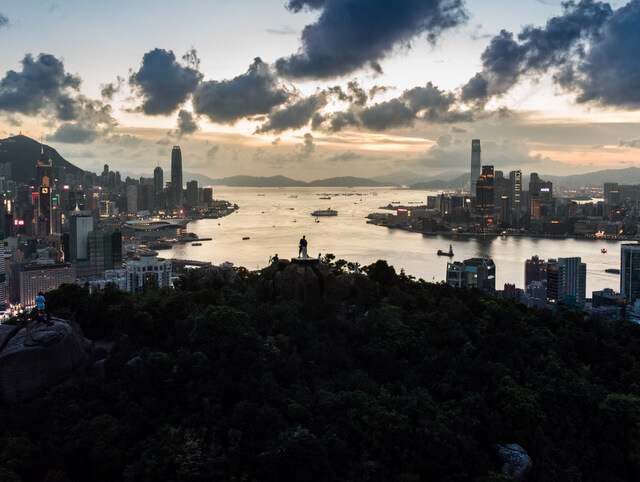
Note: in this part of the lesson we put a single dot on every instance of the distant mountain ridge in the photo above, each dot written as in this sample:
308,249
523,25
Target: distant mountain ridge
22,153
283,181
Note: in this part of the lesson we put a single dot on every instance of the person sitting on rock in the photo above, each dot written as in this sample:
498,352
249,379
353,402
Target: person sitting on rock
40,305
302,248
275,259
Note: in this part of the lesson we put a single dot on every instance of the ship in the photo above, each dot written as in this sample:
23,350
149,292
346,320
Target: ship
612,270
324,197
324,212
446,253
603,250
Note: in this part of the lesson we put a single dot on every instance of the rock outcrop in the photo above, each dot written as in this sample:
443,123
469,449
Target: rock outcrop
307,281
516,461
35,358
223,274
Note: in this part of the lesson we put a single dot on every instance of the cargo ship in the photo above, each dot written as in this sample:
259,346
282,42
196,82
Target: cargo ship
324,212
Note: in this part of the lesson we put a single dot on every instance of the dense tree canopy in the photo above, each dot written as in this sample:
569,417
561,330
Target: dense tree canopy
411,381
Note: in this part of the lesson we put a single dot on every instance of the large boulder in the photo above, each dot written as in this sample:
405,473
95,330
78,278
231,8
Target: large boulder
516,462
39,356
223,274
308,281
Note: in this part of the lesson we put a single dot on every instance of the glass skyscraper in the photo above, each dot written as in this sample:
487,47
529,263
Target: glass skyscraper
176,176
475,164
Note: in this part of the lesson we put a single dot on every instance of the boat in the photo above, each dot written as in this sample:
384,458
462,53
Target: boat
324,212
196,244
446,253
245,238
324,197
317,220
612,270
261,195
603,250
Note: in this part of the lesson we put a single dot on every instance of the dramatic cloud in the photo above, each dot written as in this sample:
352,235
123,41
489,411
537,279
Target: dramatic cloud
558,45
610,72
255,92
635,143
4,21
74,134
294,116
308,145
163,83
91,119
387,115
350,34
124,140
39,85
186,123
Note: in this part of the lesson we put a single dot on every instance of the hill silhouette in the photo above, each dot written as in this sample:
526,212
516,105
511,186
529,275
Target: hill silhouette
22,152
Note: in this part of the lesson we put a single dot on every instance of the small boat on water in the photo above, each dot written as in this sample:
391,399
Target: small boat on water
446,253
317,220
196,244
245,238
324,212
603,250
324,197
612,270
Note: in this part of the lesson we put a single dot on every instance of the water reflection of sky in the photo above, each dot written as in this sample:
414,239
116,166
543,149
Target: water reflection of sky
273,227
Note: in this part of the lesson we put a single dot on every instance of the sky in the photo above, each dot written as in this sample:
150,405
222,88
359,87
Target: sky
320,88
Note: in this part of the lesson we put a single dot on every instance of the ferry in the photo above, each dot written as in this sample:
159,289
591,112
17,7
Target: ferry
612,270
603,250
324,212
245,238
196,244
324,197
446,253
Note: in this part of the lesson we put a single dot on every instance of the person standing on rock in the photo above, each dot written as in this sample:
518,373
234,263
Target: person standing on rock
302,248
40,305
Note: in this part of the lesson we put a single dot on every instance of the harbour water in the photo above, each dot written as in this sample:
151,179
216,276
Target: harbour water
275,219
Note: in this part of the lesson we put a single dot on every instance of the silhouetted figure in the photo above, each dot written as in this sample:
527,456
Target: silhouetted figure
40,305
274,259
302,248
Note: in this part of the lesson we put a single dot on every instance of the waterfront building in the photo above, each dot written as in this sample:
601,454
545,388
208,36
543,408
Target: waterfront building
630,272
472,273
611,193
192,194
566,277
158,179
535,269
43,277
207,196
485,200
176,176
515,178
476,162
149,269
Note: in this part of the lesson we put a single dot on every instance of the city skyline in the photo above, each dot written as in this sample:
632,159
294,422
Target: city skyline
300,93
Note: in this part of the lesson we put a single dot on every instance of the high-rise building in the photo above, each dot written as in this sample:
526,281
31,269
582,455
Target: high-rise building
567,277
192,194
207,196
472,273
158,179
44,169
148,270
516,190
176,175
630,272
105,251
485,199
611,193
535,269
476,162
132,199
80,225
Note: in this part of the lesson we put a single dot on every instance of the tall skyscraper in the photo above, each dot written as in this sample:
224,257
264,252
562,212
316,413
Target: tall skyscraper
516,189
192,194
158,179
176,175
566,277
475,163
80,225
44,169
132,199
630,272
485,199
